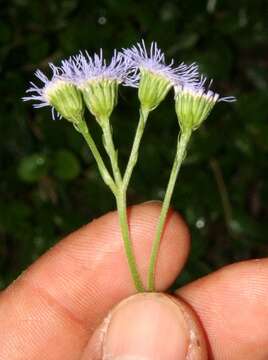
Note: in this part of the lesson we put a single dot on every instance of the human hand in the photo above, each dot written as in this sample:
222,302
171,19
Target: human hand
64,305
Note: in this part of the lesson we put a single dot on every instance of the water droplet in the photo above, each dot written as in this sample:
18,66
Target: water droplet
200,223
102,20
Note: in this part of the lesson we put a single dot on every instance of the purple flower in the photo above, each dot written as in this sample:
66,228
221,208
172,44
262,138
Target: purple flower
83,68
59,92
40,94
97,80
153,60
199,88
194,102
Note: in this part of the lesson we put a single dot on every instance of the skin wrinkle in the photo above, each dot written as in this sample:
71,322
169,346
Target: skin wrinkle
80,267
21,340
107,250
115,247
77,298
63,313
137,229
51,301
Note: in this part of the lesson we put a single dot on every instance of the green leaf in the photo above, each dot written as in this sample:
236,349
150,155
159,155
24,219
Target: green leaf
32,168
66,165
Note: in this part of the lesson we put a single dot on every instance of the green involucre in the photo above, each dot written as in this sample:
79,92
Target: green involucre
153,89
67,100
100,97
192,109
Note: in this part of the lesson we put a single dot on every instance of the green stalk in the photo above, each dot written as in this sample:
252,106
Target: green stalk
83,129
110,149
182,143
122,212
135,147
120,196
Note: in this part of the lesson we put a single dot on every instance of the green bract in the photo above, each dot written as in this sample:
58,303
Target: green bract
100,97
153,88
66,99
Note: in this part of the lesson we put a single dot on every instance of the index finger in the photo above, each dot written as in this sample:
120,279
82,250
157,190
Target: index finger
52,309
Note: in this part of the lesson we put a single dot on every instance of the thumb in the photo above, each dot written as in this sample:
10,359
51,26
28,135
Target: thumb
148,326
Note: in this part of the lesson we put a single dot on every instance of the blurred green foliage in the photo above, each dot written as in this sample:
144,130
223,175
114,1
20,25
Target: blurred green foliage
49,183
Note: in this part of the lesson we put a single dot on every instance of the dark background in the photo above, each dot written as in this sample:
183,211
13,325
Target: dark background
49,184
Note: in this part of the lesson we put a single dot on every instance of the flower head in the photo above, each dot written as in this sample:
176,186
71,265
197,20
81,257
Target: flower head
97,80
194,102
152,75
85,68
152,60
59,93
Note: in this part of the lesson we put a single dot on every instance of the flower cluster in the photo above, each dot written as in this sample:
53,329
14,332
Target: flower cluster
90,80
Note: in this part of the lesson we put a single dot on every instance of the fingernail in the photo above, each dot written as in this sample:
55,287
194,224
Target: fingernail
146,327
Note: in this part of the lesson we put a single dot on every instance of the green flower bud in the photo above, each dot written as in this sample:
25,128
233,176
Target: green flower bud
193,107
153,88
66,99
100,96
193,103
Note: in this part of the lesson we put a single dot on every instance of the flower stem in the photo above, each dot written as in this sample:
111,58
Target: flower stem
135,147
122,212
83,129
111,151
183,140
120,196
